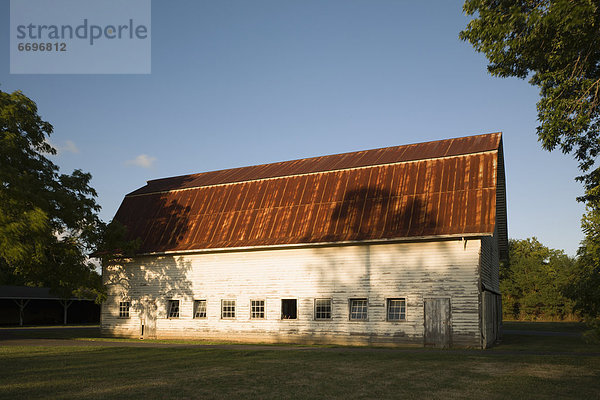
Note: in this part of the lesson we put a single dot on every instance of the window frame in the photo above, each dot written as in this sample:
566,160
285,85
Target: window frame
196,304
124,313
252,309
353,299
316,313
289,299
234,311
170,302
387,309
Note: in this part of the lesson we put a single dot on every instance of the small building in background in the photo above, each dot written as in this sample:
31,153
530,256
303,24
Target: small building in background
24,305
399,245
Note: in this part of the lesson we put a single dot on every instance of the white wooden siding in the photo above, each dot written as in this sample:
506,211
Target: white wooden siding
400,270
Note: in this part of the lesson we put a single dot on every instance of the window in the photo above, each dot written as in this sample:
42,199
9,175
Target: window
199,308
173,309
358,309
396,309
322,308
257,309
227,309
124,309
289,309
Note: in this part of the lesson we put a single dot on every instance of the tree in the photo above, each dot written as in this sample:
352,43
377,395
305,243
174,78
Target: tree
533,282
115,245
556,43
48,221
584,283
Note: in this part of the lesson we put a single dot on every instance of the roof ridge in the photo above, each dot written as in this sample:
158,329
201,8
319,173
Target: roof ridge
324,163
303,174
326,155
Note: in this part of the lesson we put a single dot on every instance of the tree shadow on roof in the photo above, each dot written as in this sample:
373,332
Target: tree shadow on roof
370,213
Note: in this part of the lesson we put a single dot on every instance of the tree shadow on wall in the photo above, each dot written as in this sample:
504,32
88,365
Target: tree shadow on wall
146,281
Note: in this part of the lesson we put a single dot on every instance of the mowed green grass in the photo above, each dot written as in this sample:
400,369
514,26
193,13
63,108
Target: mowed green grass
507,371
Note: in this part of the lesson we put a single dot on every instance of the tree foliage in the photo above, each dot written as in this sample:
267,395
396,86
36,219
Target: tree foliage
556,43
532,284
584,283
48,221
115,246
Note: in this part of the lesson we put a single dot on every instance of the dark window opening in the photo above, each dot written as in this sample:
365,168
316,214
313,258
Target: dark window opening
289,309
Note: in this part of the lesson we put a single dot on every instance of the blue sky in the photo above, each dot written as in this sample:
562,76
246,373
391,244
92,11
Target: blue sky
238,83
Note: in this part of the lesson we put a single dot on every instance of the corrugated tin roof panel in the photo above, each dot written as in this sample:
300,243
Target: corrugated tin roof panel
429,197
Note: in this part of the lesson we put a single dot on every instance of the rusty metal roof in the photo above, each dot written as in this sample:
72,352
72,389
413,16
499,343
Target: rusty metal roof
447,187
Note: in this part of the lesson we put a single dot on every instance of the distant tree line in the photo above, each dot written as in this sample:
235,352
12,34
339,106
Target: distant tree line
533,282
540,283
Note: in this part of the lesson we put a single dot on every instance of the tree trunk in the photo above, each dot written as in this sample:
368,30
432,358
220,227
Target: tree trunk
21,303
65,304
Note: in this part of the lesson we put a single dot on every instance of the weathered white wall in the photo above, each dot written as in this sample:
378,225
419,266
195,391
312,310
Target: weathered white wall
411,270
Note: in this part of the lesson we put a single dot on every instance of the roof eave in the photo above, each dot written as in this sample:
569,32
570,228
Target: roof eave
321,244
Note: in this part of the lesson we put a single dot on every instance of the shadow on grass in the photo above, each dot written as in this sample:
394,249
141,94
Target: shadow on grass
544,326
509,343
534,343
155,373
150,373
76,332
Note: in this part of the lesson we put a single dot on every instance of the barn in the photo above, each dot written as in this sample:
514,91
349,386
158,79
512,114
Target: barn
398,245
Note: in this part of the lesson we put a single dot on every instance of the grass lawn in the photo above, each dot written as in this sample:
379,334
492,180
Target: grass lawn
116,372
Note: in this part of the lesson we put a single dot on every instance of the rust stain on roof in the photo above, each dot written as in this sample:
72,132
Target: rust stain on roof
448,187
